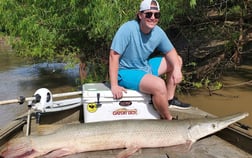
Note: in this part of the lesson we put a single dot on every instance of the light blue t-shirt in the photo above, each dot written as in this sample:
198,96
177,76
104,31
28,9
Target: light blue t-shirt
135,47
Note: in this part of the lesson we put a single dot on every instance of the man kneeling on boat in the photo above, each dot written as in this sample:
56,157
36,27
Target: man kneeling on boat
130,65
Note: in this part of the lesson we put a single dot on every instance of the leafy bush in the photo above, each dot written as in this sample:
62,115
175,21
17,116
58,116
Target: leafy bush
50,30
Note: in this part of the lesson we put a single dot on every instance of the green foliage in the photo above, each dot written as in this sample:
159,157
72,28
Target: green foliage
197,84
70,58
206,83
47,30
97,70
193,3
235,10
39,29
105,17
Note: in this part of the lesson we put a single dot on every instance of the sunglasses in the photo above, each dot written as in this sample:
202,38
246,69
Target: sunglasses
149,15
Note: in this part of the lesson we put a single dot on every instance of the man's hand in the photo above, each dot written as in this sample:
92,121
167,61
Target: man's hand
176,76
117,91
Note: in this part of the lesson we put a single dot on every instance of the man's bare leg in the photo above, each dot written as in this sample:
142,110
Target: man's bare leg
159,94
166,68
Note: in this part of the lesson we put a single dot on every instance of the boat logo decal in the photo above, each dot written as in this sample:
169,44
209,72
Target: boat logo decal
92,107
125,111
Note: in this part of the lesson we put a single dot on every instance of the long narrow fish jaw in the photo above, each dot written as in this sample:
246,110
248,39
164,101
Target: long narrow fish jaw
200,129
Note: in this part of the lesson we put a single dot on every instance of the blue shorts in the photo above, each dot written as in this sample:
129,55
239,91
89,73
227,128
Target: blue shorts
131,78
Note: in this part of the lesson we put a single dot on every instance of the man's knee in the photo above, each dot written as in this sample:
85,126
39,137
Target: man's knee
160,87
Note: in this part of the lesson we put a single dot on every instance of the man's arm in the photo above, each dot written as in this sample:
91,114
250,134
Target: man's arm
113,67
113,73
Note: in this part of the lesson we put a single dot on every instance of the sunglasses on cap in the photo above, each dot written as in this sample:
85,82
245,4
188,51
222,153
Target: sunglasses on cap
149,15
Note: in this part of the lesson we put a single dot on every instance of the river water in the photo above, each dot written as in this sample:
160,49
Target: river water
17,78
235,96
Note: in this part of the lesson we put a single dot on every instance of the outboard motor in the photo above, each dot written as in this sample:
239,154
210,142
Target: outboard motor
43,99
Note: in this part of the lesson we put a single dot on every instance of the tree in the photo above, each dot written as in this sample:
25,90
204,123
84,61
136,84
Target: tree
40,29
47,30
216,35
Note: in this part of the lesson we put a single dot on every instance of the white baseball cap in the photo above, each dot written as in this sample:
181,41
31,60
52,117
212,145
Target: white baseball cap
146,5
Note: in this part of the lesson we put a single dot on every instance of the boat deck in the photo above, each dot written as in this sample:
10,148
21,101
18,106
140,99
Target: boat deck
213,146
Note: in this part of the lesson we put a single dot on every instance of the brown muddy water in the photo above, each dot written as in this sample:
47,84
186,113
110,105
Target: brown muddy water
17,78
225,101
235,96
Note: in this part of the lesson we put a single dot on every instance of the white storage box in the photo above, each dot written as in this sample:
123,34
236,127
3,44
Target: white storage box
99,104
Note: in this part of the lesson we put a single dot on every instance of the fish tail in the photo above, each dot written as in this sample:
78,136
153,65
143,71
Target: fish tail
18,148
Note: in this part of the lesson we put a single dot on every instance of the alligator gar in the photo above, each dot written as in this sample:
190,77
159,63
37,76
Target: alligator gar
129,134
